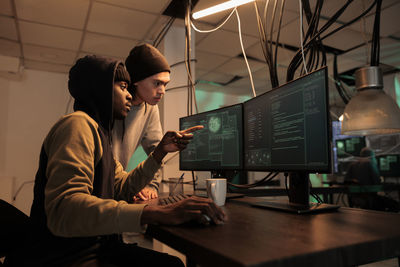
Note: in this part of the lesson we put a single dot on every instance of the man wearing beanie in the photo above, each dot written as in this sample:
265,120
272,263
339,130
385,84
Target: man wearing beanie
150,73
83,197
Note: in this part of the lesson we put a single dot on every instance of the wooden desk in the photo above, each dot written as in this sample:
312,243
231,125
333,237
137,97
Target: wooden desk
261,237
326,191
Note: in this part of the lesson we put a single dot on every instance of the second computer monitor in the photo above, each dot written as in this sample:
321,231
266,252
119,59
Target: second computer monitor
350,146
389,165
287,128
219,146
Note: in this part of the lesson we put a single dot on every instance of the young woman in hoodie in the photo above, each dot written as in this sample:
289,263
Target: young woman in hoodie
82,195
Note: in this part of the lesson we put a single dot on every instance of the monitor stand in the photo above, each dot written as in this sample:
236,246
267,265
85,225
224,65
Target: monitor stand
299,192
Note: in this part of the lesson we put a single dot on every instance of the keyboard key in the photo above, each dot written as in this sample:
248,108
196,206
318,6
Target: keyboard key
172,199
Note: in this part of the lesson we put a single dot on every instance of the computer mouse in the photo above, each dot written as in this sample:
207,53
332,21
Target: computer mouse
207,218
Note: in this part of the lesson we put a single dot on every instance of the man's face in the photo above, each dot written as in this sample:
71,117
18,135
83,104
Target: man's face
122,100
151,89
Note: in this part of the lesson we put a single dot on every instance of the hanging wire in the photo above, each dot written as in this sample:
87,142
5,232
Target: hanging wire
266,37
339,87
240,39
191,87
163,32
262,32
270,43
301,35
363,29
294,64
376,36
216,28
244,53
277,41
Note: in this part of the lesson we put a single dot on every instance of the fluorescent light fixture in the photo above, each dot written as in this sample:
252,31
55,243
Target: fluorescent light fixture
370,111
219,8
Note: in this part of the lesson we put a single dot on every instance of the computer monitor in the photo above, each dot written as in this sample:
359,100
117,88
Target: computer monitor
217,147
350,147
389,165
288,130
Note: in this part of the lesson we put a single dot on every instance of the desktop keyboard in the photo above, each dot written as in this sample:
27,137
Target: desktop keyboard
172,199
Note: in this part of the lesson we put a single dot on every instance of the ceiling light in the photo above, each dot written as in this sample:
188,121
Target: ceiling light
219,8
371,111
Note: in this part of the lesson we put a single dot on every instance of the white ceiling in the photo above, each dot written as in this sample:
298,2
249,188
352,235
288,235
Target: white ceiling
51,34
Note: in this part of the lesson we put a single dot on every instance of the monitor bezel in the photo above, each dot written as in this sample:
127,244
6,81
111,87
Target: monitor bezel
327,168
241,154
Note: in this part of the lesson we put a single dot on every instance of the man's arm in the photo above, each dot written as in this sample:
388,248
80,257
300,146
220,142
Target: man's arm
151,138
127,185
73,148
172,141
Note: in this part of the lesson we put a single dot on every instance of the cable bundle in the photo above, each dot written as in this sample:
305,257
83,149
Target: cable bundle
266,38
188,38
312,43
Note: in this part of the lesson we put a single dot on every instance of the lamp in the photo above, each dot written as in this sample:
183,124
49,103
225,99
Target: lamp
371,111
219,8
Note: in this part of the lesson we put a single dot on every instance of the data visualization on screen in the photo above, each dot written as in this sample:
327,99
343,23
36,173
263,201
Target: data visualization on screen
219,146
287,128
350,146
389,165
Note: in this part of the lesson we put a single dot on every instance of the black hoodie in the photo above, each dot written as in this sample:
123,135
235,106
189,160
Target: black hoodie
90,82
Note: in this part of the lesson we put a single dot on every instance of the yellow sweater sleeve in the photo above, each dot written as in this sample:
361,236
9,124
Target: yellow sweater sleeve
73,147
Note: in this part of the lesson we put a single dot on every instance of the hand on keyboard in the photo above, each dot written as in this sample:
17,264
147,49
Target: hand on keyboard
205,220
180,209
146,193
171,199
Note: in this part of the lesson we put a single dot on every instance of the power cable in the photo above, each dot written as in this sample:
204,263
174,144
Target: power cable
244,54
266,38
266,179
163,32
301,35
216,28
375,50
340,89
297,58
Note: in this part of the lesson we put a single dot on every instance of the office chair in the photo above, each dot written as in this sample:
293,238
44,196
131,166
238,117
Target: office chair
14,225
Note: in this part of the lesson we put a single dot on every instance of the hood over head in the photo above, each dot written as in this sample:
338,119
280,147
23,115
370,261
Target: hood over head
91,84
